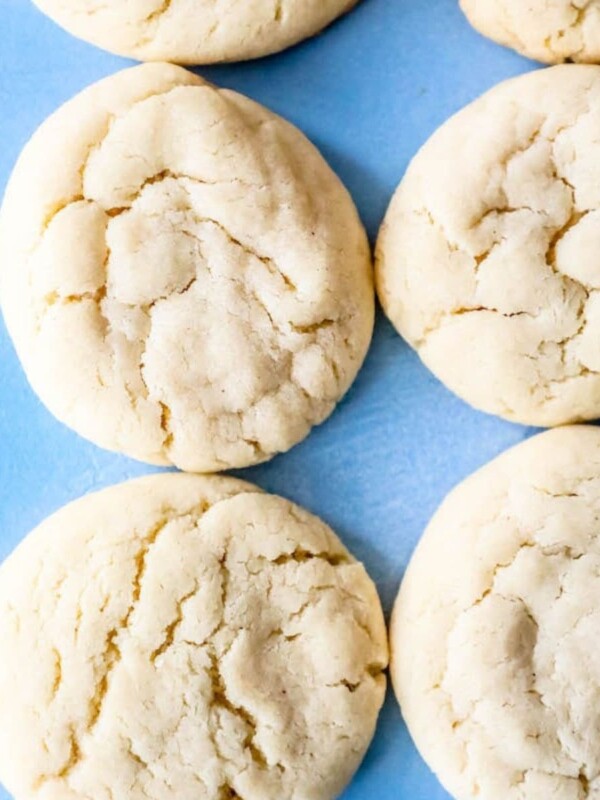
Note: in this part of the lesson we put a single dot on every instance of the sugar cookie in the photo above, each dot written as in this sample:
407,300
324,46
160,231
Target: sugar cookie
184,278
495,631
546,30
186,637
194,31
489,257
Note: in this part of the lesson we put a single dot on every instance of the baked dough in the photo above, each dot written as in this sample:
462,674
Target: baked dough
186,637
489,257
547,30
184,278
495,632
194,31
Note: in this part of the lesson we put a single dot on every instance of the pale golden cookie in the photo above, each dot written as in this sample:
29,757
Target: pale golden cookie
547,30
489,257
496,628
194,31
184,278
190,638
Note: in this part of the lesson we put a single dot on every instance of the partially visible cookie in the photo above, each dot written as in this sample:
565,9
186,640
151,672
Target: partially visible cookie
190,638
185,279
488,261
552,31
495,632
194,31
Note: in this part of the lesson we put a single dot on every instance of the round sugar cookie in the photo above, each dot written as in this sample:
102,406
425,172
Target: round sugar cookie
495,631
184,278
489,256
194,31
552,31
186,637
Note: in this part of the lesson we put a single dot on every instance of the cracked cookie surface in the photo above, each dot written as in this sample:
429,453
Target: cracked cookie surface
488,260
494,633
184,278
186,637
194,31
552,31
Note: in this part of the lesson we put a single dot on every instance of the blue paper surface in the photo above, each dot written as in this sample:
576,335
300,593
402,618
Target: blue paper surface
368,92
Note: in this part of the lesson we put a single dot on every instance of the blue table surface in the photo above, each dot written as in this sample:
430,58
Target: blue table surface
368,92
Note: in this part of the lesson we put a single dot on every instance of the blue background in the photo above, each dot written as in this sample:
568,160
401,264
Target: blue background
368,92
